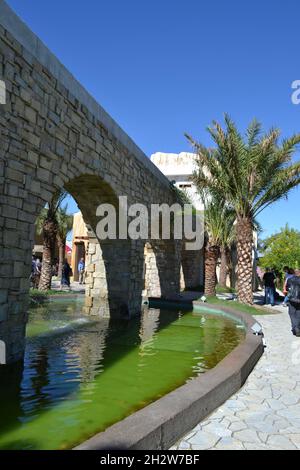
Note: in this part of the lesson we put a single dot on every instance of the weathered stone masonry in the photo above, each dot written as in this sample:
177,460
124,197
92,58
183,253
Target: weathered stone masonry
54,136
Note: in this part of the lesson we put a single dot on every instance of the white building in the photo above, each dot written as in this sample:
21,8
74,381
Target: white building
179,168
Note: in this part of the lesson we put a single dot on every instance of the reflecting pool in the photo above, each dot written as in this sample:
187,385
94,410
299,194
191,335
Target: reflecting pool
81,374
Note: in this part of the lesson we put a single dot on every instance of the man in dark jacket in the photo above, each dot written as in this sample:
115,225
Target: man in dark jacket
293,288
66,273
269,279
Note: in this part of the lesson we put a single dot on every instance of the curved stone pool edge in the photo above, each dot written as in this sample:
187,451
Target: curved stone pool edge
161,424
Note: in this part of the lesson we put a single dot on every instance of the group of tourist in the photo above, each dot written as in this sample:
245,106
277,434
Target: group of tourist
36,269
291,291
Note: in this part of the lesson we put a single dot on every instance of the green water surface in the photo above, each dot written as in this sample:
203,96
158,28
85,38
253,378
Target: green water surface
81,376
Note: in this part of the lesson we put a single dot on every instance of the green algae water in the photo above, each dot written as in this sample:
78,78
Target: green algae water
81,376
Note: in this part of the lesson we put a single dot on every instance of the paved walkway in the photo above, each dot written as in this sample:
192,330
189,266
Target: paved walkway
265,413
76,288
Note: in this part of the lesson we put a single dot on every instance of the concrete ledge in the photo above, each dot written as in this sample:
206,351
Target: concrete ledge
159,425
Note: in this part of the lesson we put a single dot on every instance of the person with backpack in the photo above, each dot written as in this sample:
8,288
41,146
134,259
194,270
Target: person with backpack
293,288
288,274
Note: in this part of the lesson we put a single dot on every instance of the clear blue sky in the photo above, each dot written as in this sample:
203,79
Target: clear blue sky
163,67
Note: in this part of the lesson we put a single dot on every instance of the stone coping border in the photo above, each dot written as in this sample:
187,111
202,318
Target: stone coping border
161,424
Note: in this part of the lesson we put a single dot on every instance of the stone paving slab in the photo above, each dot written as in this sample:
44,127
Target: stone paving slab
265,413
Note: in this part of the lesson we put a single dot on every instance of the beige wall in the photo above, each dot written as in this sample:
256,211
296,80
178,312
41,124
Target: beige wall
80,243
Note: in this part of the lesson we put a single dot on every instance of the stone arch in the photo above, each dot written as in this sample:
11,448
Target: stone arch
112,265
53,134
114,270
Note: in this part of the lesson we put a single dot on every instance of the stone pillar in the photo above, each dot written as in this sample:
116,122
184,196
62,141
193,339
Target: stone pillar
114,278
17,217
151,273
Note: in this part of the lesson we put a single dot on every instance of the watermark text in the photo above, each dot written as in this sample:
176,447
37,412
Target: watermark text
160,222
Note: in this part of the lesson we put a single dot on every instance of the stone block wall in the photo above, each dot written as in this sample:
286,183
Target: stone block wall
53,135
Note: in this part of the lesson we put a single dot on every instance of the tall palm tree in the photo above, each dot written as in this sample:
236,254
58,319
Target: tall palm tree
47,225
219,219
251,172
228,244
64,226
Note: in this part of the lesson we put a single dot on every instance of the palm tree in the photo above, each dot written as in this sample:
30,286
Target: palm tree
47,225
251,172
64,226
219,219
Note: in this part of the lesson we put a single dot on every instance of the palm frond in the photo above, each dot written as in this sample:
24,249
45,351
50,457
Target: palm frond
250,172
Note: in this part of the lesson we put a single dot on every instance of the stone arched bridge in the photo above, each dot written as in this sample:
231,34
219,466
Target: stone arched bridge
53,136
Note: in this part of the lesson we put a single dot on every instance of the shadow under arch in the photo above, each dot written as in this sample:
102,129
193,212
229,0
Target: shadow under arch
162,268
192,269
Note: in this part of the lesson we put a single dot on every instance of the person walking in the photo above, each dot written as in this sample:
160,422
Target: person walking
259,274
293,288
269,279
32,275
81,270
66,273
288,273
37,272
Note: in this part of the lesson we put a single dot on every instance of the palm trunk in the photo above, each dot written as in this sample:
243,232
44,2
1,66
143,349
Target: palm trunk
61,254
49,238
211,260
245,259
230,266
223,267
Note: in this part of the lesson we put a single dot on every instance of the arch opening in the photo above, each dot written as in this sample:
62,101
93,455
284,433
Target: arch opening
114,268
